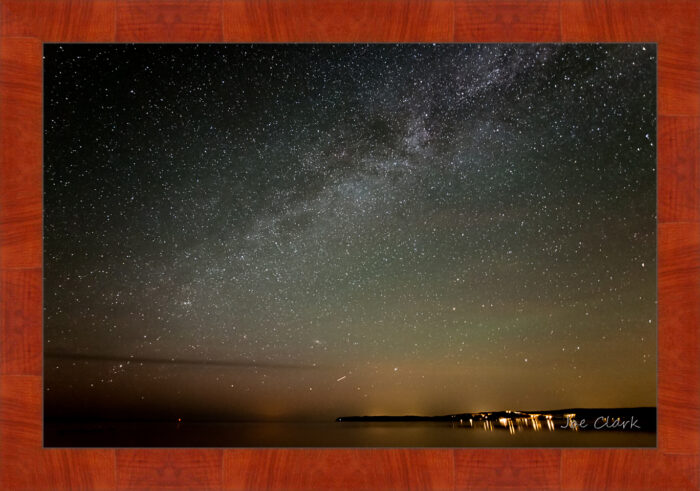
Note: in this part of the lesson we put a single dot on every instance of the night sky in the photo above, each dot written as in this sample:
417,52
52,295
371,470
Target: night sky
300,232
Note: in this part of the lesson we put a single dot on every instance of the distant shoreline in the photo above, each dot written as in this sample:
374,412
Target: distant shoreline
629,419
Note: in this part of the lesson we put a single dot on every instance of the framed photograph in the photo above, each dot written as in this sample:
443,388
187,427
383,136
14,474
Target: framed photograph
368,245
349,245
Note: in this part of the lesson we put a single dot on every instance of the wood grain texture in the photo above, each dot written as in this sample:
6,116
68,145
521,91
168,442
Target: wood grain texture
20,322
679,169
156,21
588,470
482,469
24,464
338,21
674,24
161,469
515,21
338,469
20,153
679,337
59,20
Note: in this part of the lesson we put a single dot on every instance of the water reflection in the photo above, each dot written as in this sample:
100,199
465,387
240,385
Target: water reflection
470,432
582,427
515,421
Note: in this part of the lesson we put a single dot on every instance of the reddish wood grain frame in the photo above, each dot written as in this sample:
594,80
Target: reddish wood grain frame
26,24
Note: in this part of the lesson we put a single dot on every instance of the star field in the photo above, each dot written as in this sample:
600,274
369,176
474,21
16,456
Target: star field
307,231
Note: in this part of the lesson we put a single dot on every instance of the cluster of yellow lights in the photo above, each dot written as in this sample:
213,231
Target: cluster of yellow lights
571,421
534,421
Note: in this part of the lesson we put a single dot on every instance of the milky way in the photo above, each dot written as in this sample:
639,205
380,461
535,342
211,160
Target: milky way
308,231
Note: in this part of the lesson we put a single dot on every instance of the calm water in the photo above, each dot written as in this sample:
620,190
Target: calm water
418,434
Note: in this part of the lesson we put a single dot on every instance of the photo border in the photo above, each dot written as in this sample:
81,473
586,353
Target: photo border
26,24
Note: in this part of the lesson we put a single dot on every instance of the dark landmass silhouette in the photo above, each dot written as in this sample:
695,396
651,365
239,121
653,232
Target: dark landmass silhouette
612,419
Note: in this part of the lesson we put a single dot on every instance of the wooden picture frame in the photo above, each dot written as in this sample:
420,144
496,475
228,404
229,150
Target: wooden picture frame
26,24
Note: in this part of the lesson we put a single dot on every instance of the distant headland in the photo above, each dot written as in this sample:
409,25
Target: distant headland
575,419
